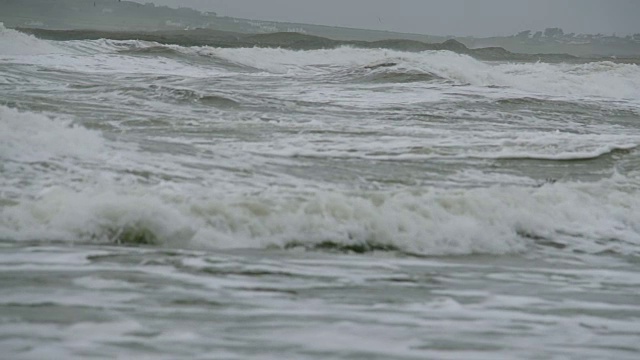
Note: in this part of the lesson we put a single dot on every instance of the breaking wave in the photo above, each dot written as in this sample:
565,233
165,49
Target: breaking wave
14,43
591,218
599,79
595,79
30,137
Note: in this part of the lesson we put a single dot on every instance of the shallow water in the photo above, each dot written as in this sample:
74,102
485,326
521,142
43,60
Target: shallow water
162,201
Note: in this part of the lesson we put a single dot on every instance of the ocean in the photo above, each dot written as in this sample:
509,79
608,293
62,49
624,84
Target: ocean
171,202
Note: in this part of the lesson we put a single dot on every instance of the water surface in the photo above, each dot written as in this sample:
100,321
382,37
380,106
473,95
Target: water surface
168,202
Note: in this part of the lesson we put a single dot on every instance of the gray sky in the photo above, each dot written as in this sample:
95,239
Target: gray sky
438,17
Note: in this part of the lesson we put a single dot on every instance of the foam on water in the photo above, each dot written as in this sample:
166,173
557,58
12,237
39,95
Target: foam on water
601,79
502,219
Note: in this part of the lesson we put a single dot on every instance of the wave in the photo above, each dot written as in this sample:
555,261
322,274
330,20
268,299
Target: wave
598,79
30,137
184,95
486,144
567,80
395,74
93,206
282,61
14,43
159,50
590,218
592,154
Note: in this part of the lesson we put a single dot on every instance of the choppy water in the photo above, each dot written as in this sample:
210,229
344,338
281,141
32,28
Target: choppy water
168,202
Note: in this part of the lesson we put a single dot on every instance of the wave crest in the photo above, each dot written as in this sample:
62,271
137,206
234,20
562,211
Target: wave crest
498,220
13,43
31,137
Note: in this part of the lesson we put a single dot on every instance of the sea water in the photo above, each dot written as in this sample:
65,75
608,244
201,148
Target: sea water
168,202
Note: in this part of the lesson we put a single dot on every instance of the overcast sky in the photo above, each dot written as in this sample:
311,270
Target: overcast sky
438,17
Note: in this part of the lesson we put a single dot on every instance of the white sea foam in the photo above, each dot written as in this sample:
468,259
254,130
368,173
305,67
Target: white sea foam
497,220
